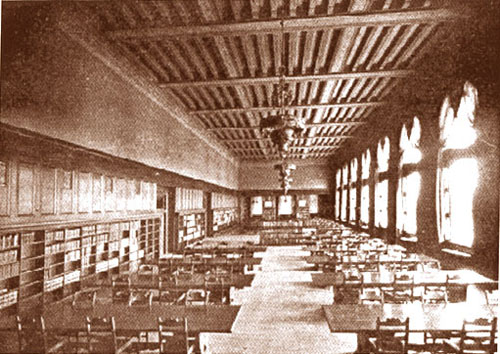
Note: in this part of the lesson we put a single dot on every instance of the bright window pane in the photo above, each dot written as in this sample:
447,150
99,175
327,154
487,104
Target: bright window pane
343,214
365,205
458,183
407,200
285,205
337,204
381,194
352,204
256,206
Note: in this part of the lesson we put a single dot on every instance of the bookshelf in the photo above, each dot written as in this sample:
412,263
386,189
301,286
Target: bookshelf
190,226
53,261
224,218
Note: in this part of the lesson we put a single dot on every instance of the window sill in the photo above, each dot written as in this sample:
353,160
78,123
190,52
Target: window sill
456,253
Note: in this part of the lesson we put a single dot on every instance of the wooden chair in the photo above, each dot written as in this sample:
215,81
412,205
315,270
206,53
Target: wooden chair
350,290
196,297
173,336
371,294
141,298
401,291
436,294
477,336
101,337
391,336
33,338
120,289
84,299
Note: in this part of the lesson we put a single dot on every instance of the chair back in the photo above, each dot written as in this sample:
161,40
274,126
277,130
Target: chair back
478,336
392,335
436,294
101,335
31,334
173,335
141,298
84,299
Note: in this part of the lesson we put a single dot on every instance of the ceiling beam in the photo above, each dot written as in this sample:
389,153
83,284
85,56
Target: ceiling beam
353,19
314,125
292,147
298,78
302,106
229,141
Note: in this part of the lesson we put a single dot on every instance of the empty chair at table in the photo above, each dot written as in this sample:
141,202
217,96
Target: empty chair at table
196,297
102,338
476,337
84,299
402,290
120,289
391,336
371,294
349,291
33,337
147,272
173,336
436,293
141,298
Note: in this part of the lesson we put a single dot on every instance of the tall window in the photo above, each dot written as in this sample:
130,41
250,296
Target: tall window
345,172
382,183
338,188
285,205
458,170
256,206
352,190
365,189
409,180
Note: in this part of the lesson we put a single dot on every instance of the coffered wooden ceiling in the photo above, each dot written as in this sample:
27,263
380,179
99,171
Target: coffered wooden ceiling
221,58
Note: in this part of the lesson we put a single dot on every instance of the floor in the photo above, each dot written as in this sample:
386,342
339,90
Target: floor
281,312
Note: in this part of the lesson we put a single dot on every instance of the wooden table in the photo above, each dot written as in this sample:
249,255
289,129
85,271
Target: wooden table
322,260
463,277
196,281
362,319
61,318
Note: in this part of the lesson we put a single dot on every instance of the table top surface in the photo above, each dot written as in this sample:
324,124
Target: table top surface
423,317
357,260
459,277
63,317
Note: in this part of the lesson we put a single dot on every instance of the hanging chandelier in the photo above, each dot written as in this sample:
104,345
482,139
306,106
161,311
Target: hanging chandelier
282,127
285,170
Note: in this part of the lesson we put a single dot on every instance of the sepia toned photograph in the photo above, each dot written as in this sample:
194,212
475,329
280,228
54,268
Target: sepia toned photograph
249,176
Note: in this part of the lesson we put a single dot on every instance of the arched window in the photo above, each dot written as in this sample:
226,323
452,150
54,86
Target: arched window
382,183
338,188
352,190
458,170
409,180
345,187
365,189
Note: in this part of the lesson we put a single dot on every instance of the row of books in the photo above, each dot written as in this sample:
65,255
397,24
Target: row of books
7,257
9,241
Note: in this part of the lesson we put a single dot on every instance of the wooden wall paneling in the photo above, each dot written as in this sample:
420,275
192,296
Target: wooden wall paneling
109,193
97,193
5,167
48,190
25,189
84,192
65,191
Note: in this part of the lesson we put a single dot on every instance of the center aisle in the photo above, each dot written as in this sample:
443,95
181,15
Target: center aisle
281,312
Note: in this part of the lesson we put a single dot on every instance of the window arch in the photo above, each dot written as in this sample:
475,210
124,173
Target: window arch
382,183
352,190
365,189
345,181
458,170
409,180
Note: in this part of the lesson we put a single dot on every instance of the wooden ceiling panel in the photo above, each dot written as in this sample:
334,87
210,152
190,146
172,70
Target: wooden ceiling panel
221,60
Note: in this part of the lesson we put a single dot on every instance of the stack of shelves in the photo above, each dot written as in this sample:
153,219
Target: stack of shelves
191,227
224,218
31,277
9,270
50,264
